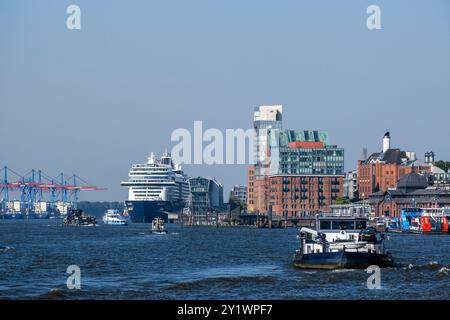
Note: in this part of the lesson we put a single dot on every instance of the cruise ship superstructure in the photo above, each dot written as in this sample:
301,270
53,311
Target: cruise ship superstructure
156,189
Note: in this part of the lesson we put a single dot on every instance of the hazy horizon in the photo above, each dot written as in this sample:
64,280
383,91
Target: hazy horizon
96,100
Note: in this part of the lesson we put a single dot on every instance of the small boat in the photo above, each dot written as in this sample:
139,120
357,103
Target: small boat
13,215
394,225
341,242
380,224
113,217
38,215
76,217
158,226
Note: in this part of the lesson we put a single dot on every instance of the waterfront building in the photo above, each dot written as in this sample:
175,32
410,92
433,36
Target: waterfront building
239,192
351,185
264,118
382,170
304,174
440,178
206,195
412,190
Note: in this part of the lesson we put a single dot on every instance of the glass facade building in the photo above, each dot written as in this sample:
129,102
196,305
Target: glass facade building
304,153
305,174
206,195
264,119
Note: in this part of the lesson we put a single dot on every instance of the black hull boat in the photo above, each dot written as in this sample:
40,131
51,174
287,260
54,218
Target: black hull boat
341,242
79,219
147,211
157,189
342,260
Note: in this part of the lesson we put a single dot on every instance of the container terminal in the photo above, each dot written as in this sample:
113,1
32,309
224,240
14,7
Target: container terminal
37,195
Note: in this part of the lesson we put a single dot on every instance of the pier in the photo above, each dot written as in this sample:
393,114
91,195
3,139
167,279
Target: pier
227,219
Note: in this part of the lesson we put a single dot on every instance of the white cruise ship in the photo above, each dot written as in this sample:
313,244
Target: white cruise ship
155,189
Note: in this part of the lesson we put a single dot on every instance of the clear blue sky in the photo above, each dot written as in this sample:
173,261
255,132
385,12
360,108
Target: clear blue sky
96,100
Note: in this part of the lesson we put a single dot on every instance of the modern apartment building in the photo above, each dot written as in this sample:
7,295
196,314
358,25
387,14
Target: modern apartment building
239,192
302,173
206,195
351,185
264,119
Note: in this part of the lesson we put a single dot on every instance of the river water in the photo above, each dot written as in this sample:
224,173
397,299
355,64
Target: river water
200,263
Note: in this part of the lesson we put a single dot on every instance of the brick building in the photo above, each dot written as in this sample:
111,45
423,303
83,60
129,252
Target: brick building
302,173
292,196
383,170
412,191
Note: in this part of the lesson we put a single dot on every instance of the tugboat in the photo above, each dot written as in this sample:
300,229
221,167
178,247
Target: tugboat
76,217
113,217
341,242
158,226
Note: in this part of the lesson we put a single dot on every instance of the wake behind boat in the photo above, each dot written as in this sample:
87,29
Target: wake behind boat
341,242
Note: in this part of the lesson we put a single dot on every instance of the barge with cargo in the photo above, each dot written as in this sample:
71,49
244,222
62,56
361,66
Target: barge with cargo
341,242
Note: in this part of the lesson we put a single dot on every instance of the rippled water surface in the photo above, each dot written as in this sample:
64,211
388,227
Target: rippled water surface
200,263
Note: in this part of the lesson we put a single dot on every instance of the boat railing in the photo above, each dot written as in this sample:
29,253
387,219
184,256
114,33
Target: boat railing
343,215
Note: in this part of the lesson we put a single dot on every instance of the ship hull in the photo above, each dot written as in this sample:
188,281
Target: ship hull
116,223
15,216
342,260
146,211
38,216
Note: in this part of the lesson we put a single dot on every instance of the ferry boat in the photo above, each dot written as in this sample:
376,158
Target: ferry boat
425,220
156,189
158,227
113,217
341,242
76,217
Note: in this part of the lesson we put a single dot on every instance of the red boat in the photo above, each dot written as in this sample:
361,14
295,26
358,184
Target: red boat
435,220
426,220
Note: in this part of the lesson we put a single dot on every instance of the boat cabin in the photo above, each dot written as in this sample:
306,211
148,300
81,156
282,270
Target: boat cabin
336,233
337,227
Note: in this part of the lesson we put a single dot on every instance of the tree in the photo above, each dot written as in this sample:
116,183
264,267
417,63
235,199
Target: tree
237,204
342,200
444,165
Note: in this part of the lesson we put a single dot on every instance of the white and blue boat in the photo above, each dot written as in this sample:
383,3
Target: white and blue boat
156,189
113,217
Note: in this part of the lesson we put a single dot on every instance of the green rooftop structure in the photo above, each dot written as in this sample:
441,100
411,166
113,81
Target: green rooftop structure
288,159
